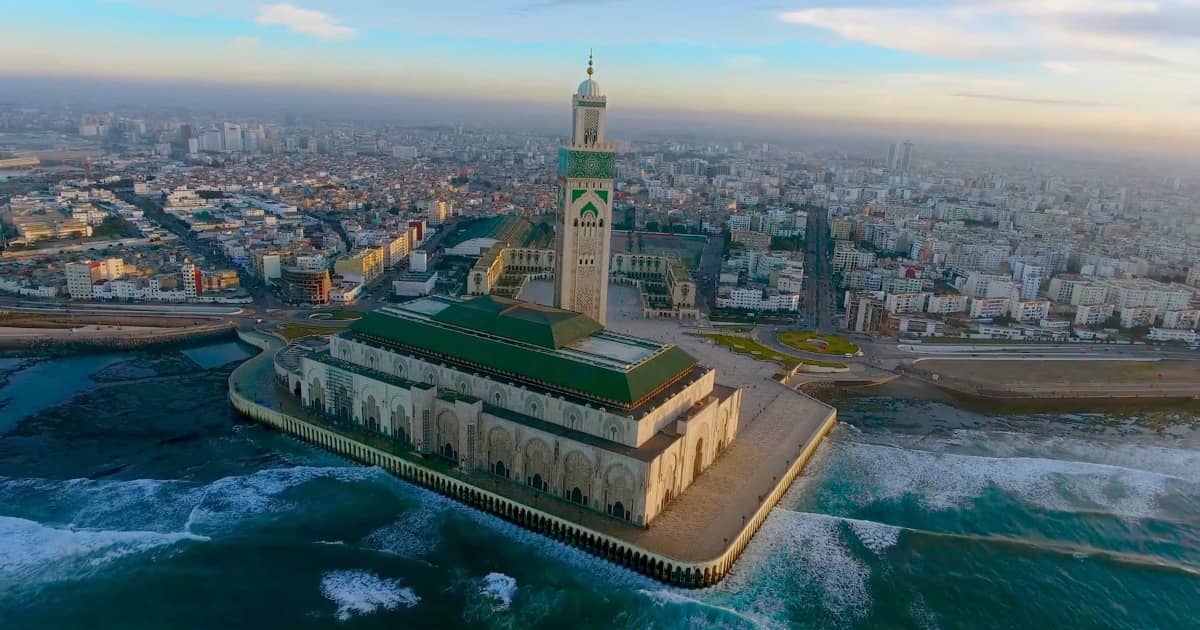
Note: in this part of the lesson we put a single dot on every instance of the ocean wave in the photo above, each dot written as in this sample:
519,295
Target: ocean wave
361,593
801,552
1175,462
164,505
499,589
416,532
943,481
34,552
677,597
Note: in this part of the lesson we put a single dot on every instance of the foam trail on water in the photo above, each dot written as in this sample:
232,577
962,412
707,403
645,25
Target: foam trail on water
360,593
31,552
796,557
165,505
944,481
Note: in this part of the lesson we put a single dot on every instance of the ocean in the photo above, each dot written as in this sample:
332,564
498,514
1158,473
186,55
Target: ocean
132,496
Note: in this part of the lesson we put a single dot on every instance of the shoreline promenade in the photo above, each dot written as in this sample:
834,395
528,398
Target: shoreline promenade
693,543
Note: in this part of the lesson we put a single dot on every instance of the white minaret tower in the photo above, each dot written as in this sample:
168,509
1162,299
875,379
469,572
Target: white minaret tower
584,222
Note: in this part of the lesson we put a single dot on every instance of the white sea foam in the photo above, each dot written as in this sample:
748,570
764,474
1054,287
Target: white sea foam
878,537
168,505
1175,462
33,552
799,557
359,592
676,597
500,589
415,533
944,481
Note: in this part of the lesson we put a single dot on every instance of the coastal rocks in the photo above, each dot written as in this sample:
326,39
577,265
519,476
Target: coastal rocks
148,366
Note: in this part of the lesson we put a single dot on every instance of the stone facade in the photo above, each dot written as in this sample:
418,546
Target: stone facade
584,223
629,468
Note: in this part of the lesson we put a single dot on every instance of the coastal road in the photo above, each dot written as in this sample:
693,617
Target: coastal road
819,295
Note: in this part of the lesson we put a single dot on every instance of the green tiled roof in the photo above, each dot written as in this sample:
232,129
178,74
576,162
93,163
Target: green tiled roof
525,322
531,361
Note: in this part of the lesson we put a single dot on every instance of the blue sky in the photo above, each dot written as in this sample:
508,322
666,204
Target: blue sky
1126,68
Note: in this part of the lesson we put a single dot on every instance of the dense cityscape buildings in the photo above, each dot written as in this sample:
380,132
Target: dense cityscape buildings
324,210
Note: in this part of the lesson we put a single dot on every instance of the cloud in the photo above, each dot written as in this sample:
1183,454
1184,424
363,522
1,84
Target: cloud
1131,32
1002,98
920,31
307,21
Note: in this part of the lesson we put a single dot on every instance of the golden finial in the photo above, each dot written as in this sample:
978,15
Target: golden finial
590,70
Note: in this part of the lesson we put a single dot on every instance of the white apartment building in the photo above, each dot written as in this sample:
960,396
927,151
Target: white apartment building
1134,316
1029,310
902,285
1193,276
986,285
946,304
1093,314
905,302
1189,319
848,257
1163,297
80,276
1189,337
988,307
753,299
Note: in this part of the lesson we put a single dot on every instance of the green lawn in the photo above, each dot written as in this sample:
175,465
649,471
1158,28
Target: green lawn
292,331
750,347
340,314
818,343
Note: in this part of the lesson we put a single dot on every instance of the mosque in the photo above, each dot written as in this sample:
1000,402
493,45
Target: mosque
537,395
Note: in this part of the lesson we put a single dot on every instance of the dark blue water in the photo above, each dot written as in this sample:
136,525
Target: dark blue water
141,501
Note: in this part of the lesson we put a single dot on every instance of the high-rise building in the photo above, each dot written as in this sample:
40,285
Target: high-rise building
80,277
585,188
211,140
891,163
906,160
232,137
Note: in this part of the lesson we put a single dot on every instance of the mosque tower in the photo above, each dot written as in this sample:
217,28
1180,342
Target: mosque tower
585,193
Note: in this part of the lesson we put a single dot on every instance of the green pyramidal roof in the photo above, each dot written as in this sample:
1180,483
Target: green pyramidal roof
525,322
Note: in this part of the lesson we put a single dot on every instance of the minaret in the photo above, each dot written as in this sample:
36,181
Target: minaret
584,222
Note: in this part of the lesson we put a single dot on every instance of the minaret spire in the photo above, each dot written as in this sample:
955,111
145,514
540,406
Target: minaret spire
590,70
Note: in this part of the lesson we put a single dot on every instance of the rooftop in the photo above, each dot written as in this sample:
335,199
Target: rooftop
561,351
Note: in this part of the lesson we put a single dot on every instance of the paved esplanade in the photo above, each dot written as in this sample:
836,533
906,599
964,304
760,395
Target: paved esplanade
698,526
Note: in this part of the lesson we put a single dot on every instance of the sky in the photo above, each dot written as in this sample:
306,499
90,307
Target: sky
1094,72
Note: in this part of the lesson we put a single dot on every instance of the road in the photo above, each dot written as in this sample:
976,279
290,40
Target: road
819,295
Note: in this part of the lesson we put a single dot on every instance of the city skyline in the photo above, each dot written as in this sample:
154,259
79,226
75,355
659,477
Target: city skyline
1081,73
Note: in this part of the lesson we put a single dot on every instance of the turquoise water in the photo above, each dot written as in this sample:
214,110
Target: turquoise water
148,504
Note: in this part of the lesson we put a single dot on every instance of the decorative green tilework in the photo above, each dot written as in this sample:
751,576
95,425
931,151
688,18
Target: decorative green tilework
588,207
586,164
576,194
603,195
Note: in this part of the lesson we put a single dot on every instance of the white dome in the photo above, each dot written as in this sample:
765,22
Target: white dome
589,88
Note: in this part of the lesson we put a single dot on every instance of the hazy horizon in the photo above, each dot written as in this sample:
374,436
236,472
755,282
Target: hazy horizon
550,117
1054,74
